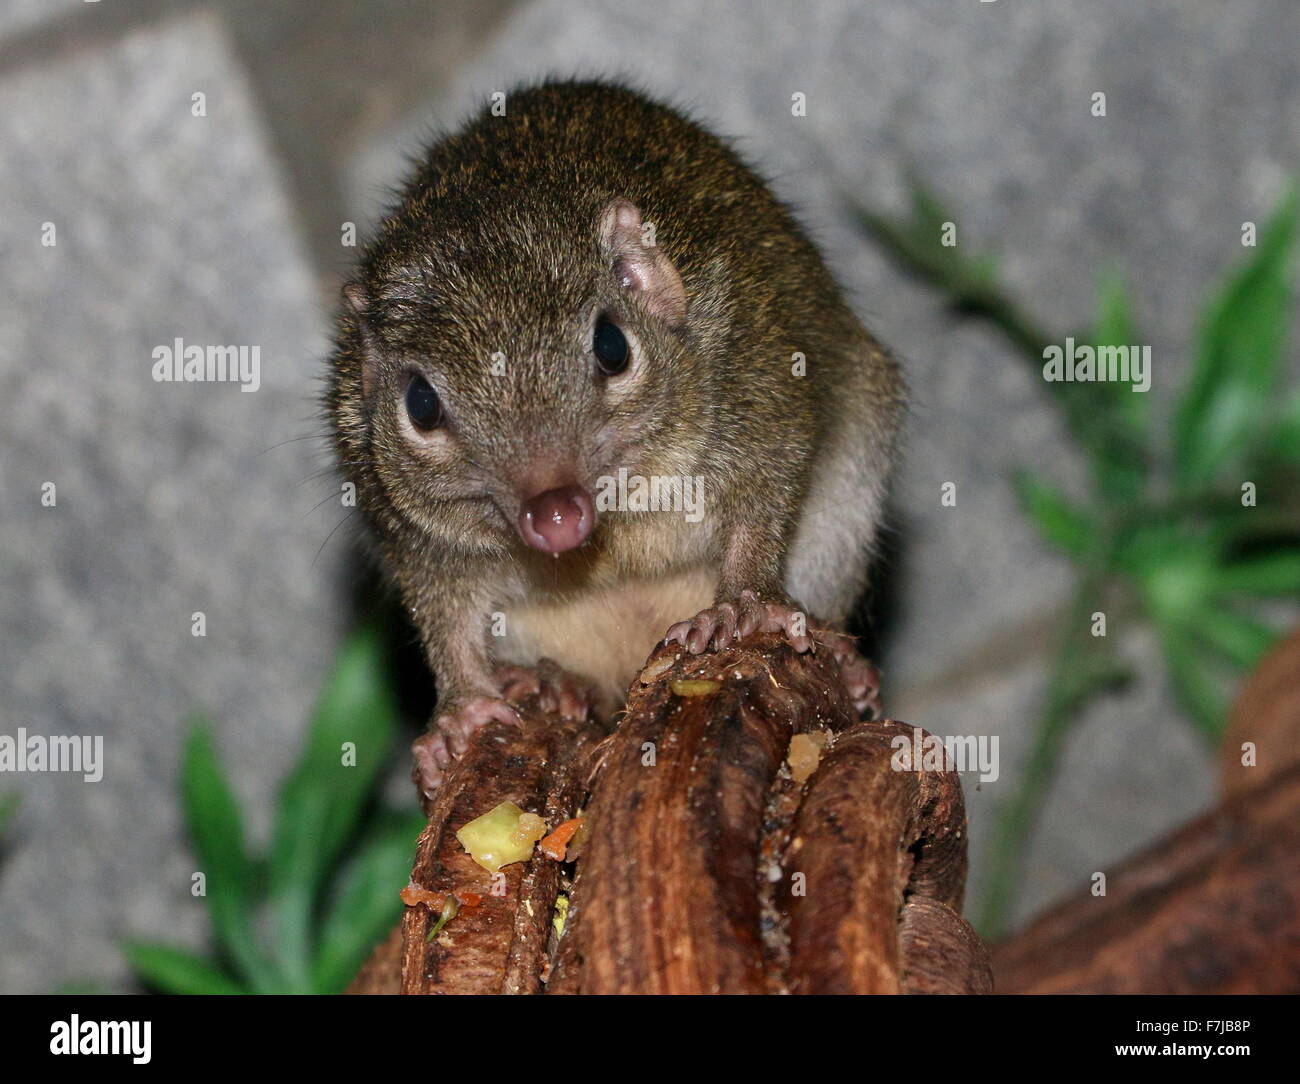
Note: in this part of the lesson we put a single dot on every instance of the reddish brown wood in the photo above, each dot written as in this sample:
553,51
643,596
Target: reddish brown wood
1214,908
867,837
689,876
667,893
942,954
695,830
498,946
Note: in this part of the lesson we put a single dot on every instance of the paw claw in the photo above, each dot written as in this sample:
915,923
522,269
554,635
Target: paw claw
725,623
860,676
556,689
449,737
455,724
676,634
429,758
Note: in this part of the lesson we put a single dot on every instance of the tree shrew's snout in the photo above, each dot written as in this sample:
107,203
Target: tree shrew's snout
557,520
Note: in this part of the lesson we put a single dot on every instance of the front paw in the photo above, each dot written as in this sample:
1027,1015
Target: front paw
860,675
449,737
556,689
724,623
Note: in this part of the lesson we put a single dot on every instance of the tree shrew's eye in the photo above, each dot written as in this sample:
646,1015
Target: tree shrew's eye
610,347
423,404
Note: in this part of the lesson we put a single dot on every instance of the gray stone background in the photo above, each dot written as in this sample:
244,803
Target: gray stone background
226,229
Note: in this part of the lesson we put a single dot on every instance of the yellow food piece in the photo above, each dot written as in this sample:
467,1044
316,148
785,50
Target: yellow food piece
695,687
501,836
805,754
561,914
530,829
657,669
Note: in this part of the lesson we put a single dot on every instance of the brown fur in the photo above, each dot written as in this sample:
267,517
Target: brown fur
494,245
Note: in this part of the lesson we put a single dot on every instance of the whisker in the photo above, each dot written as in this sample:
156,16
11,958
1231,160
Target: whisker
329,536
328,498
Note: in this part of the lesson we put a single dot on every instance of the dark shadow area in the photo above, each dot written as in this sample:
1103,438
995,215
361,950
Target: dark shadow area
880,609
372,597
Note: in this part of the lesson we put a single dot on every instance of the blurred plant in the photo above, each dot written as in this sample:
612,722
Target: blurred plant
327,891
8,807
1168,532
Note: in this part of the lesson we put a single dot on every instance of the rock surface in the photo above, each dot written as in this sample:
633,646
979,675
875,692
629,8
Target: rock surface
171,498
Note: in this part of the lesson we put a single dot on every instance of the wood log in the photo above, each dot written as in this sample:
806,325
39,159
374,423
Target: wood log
687,884
942,953
666,898
1212,908
868,838
497,945
697,828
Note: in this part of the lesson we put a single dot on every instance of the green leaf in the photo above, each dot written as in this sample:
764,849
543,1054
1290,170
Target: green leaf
969,281
1287,437
1238,360
1271,574
1195,686
217,831
8,807
1115,327
1115,428
322,800
1176,571
367,904
1241,640
175,971
1057,520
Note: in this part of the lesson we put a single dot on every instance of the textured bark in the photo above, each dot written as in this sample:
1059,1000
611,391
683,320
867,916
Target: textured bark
865,837
942,954
682,888
666,899
696,828
1212,908
498,946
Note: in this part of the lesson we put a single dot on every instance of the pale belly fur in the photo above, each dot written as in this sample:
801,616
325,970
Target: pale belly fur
605,635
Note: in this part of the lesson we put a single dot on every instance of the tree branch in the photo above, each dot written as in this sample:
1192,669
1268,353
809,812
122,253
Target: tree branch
707,868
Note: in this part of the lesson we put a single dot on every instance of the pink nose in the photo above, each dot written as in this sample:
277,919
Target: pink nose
557,520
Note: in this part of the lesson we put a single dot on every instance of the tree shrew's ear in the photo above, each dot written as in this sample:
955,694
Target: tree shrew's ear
639,264
357,299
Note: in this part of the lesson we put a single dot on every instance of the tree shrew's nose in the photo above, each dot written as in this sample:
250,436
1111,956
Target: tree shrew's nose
557,520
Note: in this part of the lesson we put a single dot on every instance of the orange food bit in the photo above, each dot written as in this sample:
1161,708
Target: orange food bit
554,845
411,895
